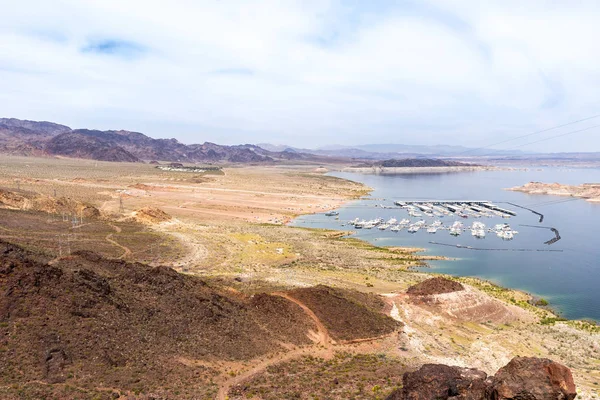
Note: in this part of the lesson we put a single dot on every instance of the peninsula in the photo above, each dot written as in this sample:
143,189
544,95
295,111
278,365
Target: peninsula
587,191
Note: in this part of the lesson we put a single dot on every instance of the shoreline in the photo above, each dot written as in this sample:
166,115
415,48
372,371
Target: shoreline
556,314
589,192
415,170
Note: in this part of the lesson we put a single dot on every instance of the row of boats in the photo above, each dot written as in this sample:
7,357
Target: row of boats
478,229
463,210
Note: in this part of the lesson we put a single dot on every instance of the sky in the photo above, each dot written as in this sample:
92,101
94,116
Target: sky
309,73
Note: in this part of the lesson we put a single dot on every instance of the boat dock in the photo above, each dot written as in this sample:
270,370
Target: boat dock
456,206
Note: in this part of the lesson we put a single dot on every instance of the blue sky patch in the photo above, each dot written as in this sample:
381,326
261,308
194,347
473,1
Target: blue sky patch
121,48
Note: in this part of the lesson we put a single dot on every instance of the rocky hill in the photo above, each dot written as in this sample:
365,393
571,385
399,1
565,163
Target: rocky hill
107,325
414,163
77,145
94,323
25,138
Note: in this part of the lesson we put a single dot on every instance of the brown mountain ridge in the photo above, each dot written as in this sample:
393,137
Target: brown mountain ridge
30,138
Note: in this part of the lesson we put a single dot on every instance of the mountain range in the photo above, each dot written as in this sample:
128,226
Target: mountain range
393,150
33,138
42,138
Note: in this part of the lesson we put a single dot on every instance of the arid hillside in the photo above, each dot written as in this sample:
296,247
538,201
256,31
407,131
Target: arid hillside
95,323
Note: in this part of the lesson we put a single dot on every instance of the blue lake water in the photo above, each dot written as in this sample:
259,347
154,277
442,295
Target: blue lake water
569,280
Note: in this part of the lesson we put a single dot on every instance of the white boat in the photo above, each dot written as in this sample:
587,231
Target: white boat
477,225
478,233
432,229
414,228
332,213
391,221
405,221
383,227
396,228
456,228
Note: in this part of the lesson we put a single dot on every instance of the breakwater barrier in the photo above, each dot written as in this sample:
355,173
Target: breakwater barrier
460,246
554,230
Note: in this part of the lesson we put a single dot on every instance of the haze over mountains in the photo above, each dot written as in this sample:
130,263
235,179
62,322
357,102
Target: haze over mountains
393,150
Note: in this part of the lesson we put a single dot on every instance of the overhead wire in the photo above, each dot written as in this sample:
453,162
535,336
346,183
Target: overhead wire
556,136
531,134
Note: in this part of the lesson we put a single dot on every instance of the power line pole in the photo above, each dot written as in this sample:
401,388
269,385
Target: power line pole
121,208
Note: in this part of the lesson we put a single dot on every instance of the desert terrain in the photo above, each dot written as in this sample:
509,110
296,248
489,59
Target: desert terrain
258,309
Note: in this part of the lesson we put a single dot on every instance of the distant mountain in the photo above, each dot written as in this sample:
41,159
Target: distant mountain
27,138
393,150
78,145
41,127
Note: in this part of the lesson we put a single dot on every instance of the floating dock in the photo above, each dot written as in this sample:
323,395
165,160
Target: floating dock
455,206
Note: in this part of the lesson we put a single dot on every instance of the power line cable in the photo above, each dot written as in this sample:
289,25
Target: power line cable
557,136
531,134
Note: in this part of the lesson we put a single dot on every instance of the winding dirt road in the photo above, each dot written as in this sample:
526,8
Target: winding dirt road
323,348
126,250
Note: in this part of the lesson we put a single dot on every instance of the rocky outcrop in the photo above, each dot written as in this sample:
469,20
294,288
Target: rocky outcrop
533,378
433,286
436,381
588,191
23,200
524,378
151,215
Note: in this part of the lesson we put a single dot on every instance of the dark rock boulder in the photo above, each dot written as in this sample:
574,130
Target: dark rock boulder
436,381
530,378
524,378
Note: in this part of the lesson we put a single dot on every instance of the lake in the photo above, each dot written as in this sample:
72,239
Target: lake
569,279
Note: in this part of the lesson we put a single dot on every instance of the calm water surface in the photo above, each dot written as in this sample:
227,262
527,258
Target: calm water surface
569,280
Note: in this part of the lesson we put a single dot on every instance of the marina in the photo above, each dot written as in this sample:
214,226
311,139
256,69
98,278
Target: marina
474,208
421,211
570,275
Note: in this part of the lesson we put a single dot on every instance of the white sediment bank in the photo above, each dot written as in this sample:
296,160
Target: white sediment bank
415,170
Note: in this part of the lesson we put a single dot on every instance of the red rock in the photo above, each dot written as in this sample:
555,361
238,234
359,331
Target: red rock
530,378
437,381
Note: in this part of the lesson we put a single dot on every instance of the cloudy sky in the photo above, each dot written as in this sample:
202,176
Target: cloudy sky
308,73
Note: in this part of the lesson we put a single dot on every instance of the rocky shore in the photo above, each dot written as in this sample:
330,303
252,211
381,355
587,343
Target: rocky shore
587,191
414,170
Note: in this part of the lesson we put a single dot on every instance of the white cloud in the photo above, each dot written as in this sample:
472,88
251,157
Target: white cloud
305,73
